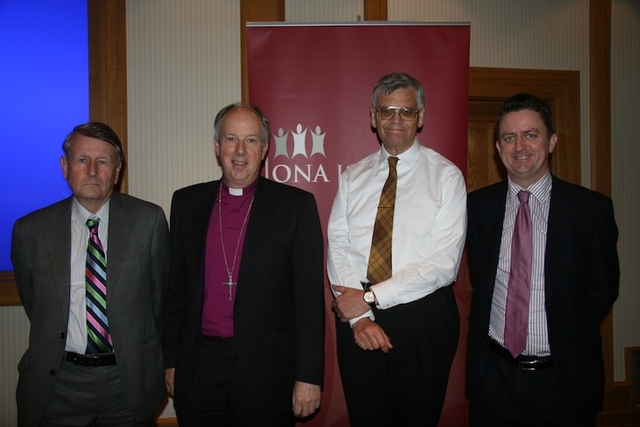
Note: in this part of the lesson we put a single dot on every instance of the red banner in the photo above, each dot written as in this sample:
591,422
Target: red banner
314,82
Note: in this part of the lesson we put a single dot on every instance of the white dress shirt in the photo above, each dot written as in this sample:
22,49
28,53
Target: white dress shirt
77,325
429,225
537,335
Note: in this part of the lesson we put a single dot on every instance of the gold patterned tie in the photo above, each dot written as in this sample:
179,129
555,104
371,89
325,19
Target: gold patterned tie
379,268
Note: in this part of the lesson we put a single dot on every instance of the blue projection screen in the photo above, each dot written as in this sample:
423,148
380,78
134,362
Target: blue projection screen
44,88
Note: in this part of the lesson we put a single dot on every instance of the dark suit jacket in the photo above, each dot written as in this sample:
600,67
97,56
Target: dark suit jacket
279,307
137,281
581,284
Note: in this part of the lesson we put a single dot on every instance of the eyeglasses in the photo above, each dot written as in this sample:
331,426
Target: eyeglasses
386,113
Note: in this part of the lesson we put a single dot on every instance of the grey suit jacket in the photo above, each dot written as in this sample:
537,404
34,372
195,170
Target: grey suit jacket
137,271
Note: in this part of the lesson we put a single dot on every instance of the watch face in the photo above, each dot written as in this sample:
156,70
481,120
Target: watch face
369,297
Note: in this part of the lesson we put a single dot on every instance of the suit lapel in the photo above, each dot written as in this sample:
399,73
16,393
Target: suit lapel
121,229
202,208
557,227
257,228
57,240
494,207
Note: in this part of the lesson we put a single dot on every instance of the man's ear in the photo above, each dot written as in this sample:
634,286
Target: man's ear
552,142
372,113
64,166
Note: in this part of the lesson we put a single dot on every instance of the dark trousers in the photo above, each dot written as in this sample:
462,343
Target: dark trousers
512,397
407,386
216,397
89,396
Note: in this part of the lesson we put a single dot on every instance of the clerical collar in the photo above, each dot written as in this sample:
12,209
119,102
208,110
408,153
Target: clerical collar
237,192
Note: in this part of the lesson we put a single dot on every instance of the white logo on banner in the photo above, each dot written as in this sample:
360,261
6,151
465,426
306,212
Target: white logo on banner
299,142
298,172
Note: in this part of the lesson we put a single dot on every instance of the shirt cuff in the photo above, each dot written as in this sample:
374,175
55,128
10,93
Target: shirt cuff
386,294
368,314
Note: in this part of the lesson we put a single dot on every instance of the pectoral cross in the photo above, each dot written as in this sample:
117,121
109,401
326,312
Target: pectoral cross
230,284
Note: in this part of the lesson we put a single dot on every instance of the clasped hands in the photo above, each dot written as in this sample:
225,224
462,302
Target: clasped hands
367,334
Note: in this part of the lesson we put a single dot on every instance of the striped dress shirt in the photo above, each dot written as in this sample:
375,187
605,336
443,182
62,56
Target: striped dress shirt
537,337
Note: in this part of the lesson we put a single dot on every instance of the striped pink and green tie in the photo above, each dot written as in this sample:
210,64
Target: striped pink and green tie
98,336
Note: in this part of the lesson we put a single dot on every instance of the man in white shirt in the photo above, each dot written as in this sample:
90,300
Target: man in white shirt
398,336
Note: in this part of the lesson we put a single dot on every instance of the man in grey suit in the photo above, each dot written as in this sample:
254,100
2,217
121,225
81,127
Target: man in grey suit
94,355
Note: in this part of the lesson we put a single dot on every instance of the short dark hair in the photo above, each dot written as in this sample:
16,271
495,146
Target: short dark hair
525,101
217,123
95,130
394,81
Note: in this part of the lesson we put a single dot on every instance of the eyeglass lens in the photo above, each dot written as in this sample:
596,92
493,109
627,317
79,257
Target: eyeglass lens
388,112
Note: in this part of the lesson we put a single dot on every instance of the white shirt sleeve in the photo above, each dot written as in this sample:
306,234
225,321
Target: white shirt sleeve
429,225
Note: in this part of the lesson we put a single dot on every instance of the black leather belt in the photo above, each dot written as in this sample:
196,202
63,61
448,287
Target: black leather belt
91,359
526,363
215,339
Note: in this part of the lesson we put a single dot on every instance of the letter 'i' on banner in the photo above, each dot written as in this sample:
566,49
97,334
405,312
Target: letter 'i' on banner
317,100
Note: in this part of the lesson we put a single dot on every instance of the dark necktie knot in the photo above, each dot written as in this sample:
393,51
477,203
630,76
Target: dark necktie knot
523,196
393,161
93,223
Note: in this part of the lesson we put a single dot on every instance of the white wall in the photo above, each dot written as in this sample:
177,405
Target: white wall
542,34
625,156
14,336
183,66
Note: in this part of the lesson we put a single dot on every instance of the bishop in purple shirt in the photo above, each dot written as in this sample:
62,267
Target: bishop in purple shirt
243,332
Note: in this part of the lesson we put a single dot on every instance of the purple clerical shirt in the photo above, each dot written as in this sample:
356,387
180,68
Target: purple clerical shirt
217,309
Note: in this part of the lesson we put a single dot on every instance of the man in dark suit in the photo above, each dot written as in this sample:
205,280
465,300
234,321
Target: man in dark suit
244,326
64,379
555,376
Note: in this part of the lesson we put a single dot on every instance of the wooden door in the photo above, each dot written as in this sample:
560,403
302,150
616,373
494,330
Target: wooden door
490,87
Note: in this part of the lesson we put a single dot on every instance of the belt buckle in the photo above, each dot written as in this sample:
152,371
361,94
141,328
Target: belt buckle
93,360
533,365
528,365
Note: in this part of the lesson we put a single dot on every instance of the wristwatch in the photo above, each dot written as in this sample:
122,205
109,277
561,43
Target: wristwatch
369,296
